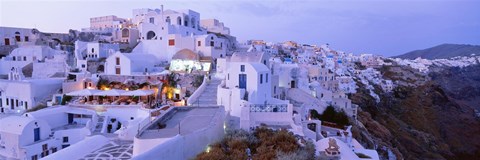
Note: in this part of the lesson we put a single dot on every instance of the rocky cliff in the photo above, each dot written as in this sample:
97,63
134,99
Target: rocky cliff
431,119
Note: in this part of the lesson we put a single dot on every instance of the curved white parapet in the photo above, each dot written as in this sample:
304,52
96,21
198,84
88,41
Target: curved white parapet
80,149
197,92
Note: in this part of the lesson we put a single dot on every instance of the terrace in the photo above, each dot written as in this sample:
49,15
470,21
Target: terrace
91,98
179,120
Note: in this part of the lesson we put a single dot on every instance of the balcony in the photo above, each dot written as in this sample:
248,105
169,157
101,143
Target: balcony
268,107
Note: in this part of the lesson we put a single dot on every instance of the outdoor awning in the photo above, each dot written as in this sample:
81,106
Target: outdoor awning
165,72
138,92
112,92
84,92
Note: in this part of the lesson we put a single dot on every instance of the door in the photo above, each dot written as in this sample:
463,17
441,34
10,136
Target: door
7,41
177,96
36,134
242,81
117,71
292,84
70,118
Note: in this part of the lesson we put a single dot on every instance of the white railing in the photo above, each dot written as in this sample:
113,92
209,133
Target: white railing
268,107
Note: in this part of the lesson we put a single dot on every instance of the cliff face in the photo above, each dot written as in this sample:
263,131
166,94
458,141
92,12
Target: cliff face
432,119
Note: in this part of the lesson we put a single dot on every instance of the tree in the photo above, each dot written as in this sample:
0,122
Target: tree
329,114
197,81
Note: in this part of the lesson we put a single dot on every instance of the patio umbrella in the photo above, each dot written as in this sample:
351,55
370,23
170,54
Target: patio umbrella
112,92
138,92
84,92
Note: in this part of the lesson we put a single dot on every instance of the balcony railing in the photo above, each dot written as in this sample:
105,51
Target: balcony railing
268,107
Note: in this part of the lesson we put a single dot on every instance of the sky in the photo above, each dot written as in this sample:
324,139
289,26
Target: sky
386,28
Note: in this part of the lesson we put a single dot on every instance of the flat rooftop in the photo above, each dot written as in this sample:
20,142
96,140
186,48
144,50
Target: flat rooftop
180,120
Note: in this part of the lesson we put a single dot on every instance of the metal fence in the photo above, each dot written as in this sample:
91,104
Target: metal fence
268,107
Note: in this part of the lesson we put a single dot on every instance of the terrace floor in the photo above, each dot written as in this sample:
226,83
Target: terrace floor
116,149
182,121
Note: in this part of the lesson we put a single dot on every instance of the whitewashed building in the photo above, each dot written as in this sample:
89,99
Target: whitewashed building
131,63
17,95
38,134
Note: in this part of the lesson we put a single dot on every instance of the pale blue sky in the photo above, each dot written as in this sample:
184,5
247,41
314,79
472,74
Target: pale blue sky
379,27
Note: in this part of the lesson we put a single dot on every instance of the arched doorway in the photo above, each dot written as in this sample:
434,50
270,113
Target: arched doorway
179,20
186,21
150,35
125,32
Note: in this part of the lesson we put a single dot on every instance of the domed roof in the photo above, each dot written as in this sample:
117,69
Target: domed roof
186,54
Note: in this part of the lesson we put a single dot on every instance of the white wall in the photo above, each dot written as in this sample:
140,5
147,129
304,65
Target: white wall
181,146
125,64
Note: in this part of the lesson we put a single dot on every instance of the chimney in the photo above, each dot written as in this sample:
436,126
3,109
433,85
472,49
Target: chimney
161,8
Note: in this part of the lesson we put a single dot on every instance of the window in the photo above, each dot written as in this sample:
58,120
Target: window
54,149
83,65
274,89
212,43
18,38
117,70
261,78
24,58
7,101
35,157
167,20
45,147
14,58
26,39
199,43
228,76
65,139
93,50
152,20
242,68
266,78
265,62
117,60
7,41
171,42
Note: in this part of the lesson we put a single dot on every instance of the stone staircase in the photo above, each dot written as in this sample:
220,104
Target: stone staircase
99,126
209,95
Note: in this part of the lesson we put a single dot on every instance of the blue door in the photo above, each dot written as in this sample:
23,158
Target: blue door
36,134
242,81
